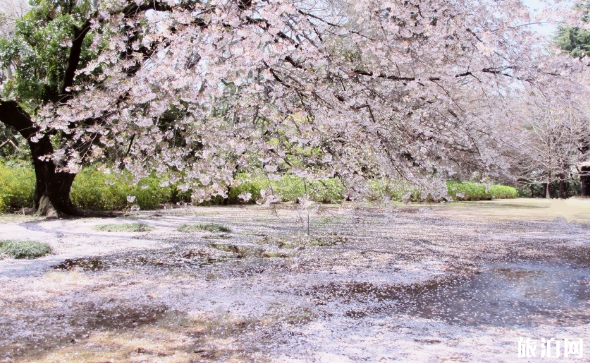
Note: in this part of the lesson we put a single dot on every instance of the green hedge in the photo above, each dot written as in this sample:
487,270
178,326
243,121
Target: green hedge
462,191
289,187
94,190
17,185
394,190
477,191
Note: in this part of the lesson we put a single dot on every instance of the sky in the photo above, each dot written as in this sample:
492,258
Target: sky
545,29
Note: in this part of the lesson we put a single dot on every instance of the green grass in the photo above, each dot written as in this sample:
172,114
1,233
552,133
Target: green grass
208,227
24,249
125,227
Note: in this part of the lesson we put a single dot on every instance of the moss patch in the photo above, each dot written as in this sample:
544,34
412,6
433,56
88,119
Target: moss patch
126,227
207,227
24,249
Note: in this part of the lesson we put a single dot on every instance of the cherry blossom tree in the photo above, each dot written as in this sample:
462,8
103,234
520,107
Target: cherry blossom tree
554,138
356,90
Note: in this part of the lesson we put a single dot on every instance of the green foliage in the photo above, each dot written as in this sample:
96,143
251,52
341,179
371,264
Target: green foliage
17,185
575,41
39,49
126,227
95,190
404,192
503,192
539,190
468,191
393,190
244,185
24,249
208,227
291,187
476,191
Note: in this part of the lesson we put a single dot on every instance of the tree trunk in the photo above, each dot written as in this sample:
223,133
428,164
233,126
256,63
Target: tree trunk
585,180
52,188
562,187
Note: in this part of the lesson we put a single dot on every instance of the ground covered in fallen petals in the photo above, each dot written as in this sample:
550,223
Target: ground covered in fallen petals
442,283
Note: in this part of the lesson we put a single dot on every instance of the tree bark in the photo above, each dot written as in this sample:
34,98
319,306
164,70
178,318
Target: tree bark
52,188
585,180
562,187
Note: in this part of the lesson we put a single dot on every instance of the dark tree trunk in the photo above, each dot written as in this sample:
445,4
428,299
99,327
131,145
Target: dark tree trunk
52,188
562,187
585,180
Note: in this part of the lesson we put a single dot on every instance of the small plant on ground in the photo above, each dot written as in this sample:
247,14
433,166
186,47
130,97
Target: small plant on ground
208,227
126,227
24,249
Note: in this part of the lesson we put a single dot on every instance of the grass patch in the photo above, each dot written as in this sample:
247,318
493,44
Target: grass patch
208,227
274,255
24,249
126,227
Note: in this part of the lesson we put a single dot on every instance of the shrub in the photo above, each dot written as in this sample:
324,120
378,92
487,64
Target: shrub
292,187
475,191
468,191
24,249
289,187
253,185
95,190
149,194
17,185
393,190
503,192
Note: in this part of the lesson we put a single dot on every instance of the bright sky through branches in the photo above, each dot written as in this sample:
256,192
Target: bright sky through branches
544,29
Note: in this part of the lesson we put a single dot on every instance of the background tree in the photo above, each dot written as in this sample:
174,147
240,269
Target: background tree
10,12
554,131
576,42
49,43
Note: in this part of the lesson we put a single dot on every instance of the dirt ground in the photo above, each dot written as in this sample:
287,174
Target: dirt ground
460,282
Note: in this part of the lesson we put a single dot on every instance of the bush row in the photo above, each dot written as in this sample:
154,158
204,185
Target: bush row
17,185
95,190
476,191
